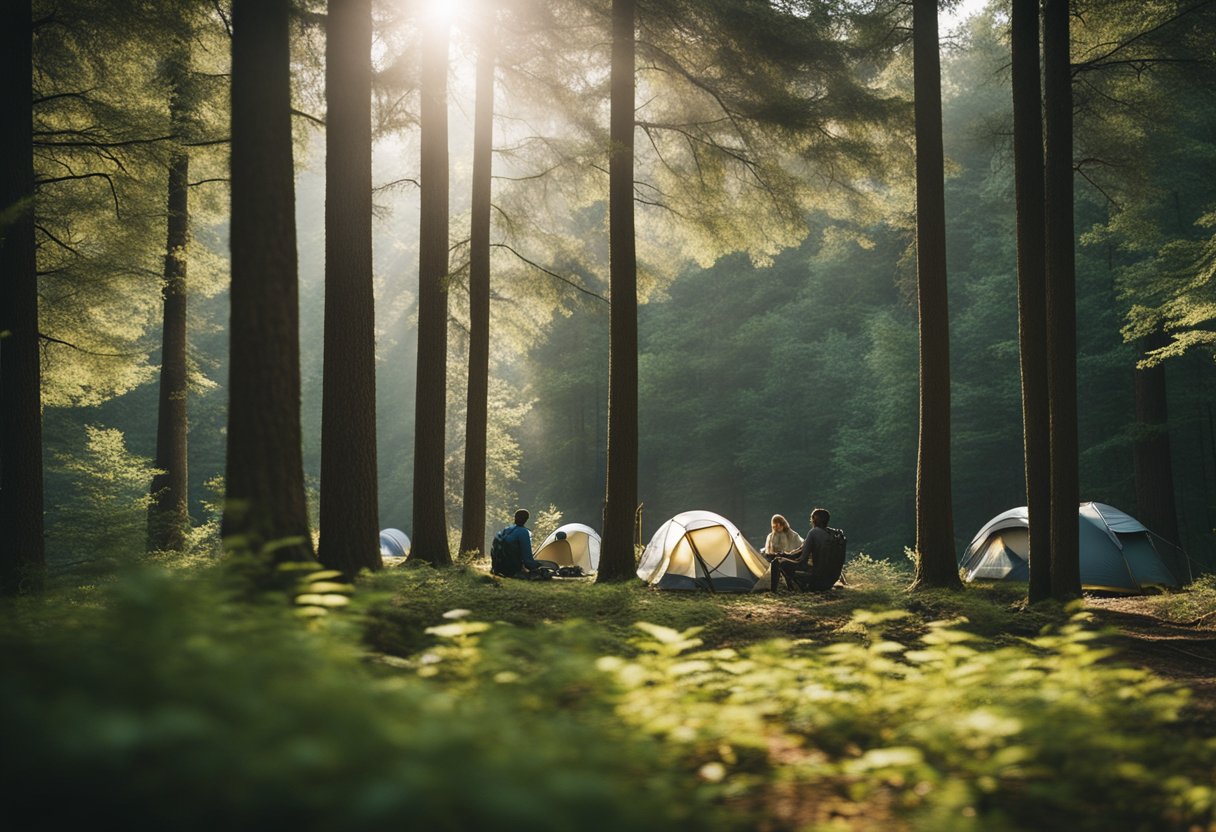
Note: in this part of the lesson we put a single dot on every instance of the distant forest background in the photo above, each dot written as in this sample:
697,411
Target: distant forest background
771,380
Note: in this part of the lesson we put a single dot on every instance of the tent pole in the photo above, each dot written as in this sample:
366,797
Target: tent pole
1186,559
696,553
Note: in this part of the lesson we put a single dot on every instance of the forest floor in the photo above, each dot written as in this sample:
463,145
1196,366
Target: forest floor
1181,651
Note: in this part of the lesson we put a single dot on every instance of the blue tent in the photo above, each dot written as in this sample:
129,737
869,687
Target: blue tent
1118,553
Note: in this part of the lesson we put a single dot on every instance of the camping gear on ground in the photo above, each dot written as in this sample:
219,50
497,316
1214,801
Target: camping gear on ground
572,545
545,571
1118,553
394,543
702,550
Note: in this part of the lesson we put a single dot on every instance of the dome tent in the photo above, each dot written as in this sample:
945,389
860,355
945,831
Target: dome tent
1118,553
581,547
701,550
394,543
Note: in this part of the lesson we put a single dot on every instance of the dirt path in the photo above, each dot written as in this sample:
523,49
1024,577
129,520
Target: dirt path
1185,653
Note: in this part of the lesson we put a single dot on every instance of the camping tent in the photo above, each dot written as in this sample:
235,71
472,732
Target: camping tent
701,550
1118,554
394,543
580,548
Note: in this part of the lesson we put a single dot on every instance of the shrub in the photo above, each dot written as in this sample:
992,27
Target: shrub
1042,735
172,706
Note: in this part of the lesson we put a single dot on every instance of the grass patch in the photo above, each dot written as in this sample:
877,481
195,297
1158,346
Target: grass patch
1195,603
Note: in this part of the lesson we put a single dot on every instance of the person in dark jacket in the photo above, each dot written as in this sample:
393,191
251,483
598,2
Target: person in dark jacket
798,566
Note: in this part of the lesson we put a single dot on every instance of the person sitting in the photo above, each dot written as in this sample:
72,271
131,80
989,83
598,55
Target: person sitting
511,552
806,568
782,538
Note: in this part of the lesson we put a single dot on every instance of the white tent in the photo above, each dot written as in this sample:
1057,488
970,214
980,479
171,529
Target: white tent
581,547
701,550
394,543
1117,552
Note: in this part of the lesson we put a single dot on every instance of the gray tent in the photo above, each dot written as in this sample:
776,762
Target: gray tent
1118,553
394,543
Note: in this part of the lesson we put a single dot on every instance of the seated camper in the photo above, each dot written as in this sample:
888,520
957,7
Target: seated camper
817,564
782,538
511,550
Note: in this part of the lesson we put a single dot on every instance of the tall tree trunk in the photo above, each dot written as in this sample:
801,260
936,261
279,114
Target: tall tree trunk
22,544
1154,470
168,513
265,509
617,561
1061,301
430,541
349,495
1032,287
473,520
936,565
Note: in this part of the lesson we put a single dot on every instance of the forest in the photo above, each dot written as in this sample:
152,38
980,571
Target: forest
284,283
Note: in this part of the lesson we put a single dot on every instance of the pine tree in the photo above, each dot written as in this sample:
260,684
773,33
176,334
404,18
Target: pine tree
22,546
1032,290
265,508
1061,301
349,499
473,520
168,513
430,530
935,564
617,561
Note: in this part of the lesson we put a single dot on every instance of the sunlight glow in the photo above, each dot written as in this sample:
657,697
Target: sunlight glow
442,12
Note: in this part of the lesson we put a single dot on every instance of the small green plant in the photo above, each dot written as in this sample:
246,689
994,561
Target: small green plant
545,522
106,513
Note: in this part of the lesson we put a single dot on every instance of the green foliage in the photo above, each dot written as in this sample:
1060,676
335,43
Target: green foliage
103,137
867,571
1195,603
173,706
103,509
947,734
544,522
165,700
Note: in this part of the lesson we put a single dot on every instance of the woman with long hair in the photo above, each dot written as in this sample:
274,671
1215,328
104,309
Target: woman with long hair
782,538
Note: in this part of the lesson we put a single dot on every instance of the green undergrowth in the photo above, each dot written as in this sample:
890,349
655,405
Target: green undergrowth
413,596
450,699
1196,603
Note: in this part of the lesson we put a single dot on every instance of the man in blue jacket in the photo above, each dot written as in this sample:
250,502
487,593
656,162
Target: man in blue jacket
517,543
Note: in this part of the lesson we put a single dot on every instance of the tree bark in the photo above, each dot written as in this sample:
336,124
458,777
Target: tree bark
168,512
265,510
936,564
473,519
22,542
1032,287
1061,301
350,529
617,560
430,532
1151,453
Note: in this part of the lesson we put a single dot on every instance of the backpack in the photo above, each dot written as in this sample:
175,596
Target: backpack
505,559
829,563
